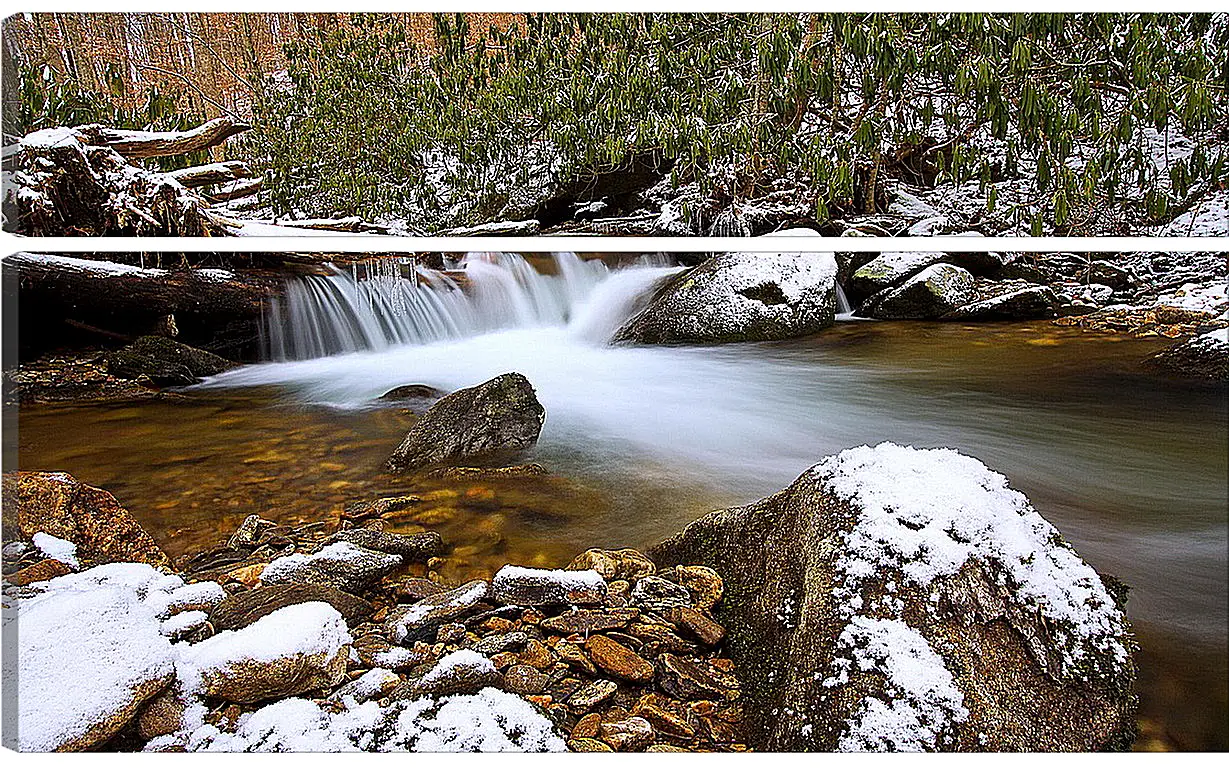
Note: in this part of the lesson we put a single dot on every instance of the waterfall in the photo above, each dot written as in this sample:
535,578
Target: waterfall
322,315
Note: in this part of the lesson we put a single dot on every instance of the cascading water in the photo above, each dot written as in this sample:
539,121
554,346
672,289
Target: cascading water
339,313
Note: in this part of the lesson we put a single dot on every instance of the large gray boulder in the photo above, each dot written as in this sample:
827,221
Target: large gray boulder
740,297
931,293
165,361
497,416
902,599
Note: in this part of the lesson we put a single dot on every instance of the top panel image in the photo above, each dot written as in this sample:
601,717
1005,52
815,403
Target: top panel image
218,124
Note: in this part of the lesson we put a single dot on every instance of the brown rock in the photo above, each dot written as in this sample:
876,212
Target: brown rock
665,748
665,721
244,608
248,575
630,735
43,570
659,637
614,564
587,745
450,633
413,589
695,624
162,715
618,660
525,680
586,621
575,657
587,727
57,504
496,624
379,507
704,584
537,654
686,678
592,695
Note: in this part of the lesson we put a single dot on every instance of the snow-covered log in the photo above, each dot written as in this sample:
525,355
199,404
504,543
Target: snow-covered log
211,173
139,144
63,292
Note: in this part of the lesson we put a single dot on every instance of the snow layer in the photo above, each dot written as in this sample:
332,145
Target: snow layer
923,701
1206,297
91,266
49,138
925,513
489,721
57,549
89,644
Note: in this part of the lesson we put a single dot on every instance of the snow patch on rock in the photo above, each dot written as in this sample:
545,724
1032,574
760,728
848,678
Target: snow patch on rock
57,549
923,701
489,721
926,513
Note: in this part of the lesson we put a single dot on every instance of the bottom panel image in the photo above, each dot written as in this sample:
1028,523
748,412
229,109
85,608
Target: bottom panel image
731,502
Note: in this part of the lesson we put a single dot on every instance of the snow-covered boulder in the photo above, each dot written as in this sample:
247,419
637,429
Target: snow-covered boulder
1204,356
902,599
735,297
488,721
498,416
342,565
929,294
91,651
58,505
293,650
463,671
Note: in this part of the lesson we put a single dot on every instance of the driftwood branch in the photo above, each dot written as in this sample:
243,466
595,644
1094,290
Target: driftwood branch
236,190
212,173
140,144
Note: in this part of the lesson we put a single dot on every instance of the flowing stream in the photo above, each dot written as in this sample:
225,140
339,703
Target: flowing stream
1131,467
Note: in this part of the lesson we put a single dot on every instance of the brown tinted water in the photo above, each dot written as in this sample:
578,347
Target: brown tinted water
1130,466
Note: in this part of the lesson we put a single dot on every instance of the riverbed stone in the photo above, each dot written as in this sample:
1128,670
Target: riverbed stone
498,416
58,504
628,735
618,660
822,614
407,623
736,297
165,361
703,583
525,680
887,270
342,565
587,621
695,624
658,593
623,564
414,548
1205,356
244,608
592,695
459,672
293,650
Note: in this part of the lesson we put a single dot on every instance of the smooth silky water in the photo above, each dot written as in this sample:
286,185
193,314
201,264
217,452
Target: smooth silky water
1131,467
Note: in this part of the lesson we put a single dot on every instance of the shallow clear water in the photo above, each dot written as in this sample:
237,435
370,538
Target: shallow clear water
1131,467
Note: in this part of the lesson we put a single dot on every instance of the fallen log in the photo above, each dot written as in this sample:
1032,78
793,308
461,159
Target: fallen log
212,173
141,144
60,294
